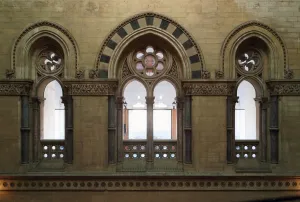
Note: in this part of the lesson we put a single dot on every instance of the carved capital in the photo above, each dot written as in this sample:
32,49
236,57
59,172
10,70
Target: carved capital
100,87
217,87
15,87
79,74
10,74
284,87
263,101
205,74
288,74
179,102
94,73
150,100
119,102
219,74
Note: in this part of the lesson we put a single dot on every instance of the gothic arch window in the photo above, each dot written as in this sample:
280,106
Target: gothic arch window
250,110
246,113
53,113
150,110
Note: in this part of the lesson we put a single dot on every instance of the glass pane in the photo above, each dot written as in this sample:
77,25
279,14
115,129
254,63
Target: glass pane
245,112
139,55
160,66
162,124
160,55
137,126
53,113
149,49
139,66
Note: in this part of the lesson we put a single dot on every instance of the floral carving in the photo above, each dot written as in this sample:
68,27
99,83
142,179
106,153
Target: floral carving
219,74
79,74
91,88
10,74
173,71
205,74
126,71
94,73
15,88
288,74
208,88
280,88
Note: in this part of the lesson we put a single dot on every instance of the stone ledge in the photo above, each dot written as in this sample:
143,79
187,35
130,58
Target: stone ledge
143,183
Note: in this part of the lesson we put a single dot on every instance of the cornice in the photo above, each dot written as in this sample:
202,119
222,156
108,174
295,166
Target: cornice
284,87
87,87
208,87
15,87
149,183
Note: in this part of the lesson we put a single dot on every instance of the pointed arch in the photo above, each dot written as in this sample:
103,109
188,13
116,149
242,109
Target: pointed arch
158,25
53,31
279,61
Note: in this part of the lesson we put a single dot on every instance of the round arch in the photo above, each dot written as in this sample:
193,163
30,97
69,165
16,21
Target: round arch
191,56
19,60
278,53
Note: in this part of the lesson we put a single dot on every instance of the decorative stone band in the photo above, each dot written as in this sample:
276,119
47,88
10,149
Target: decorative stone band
95,87
208,87
149,183
284,87
15,87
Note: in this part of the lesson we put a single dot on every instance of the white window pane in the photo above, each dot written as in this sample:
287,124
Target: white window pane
54,112
245,122
137,124
162,124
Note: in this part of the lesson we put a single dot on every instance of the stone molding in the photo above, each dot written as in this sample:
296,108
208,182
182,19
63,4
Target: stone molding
288,73
15,87
149,183
284,87
208,87
88,88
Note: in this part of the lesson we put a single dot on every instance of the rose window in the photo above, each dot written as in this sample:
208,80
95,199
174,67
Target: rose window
249,61
149,62
49,61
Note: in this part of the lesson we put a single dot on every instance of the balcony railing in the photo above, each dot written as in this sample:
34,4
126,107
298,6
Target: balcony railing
53,149
165,149
246,149
134,149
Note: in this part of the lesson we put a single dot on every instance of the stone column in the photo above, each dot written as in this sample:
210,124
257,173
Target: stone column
187,129
230,113
119,103
68,102
262,116
36,101
180,103
111,130
274,128
25,129
150,145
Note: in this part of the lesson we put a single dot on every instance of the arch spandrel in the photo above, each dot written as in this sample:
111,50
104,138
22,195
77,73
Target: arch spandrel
139,25
278,54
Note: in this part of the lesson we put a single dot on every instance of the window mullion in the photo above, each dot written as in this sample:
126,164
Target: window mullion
150,154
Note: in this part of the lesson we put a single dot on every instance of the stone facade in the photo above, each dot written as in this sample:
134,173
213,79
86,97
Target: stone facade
93,39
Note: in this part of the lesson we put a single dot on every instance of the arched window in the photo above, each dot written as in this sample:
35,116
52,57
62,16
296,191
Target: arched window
150,111
135,112
53,113
246,112
164,114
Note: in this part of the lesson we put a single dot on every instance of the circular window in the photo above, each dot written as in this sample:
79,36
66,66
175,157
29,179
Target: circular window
49,61
249,61
149,62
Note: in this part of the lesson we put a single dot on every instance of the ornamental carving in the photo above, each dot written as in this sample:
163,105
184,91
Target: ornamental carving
79,74
205,74
249,62
160,183
284,88
15,88
173,71
208,88
126,71
96,88
49,61
219,74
